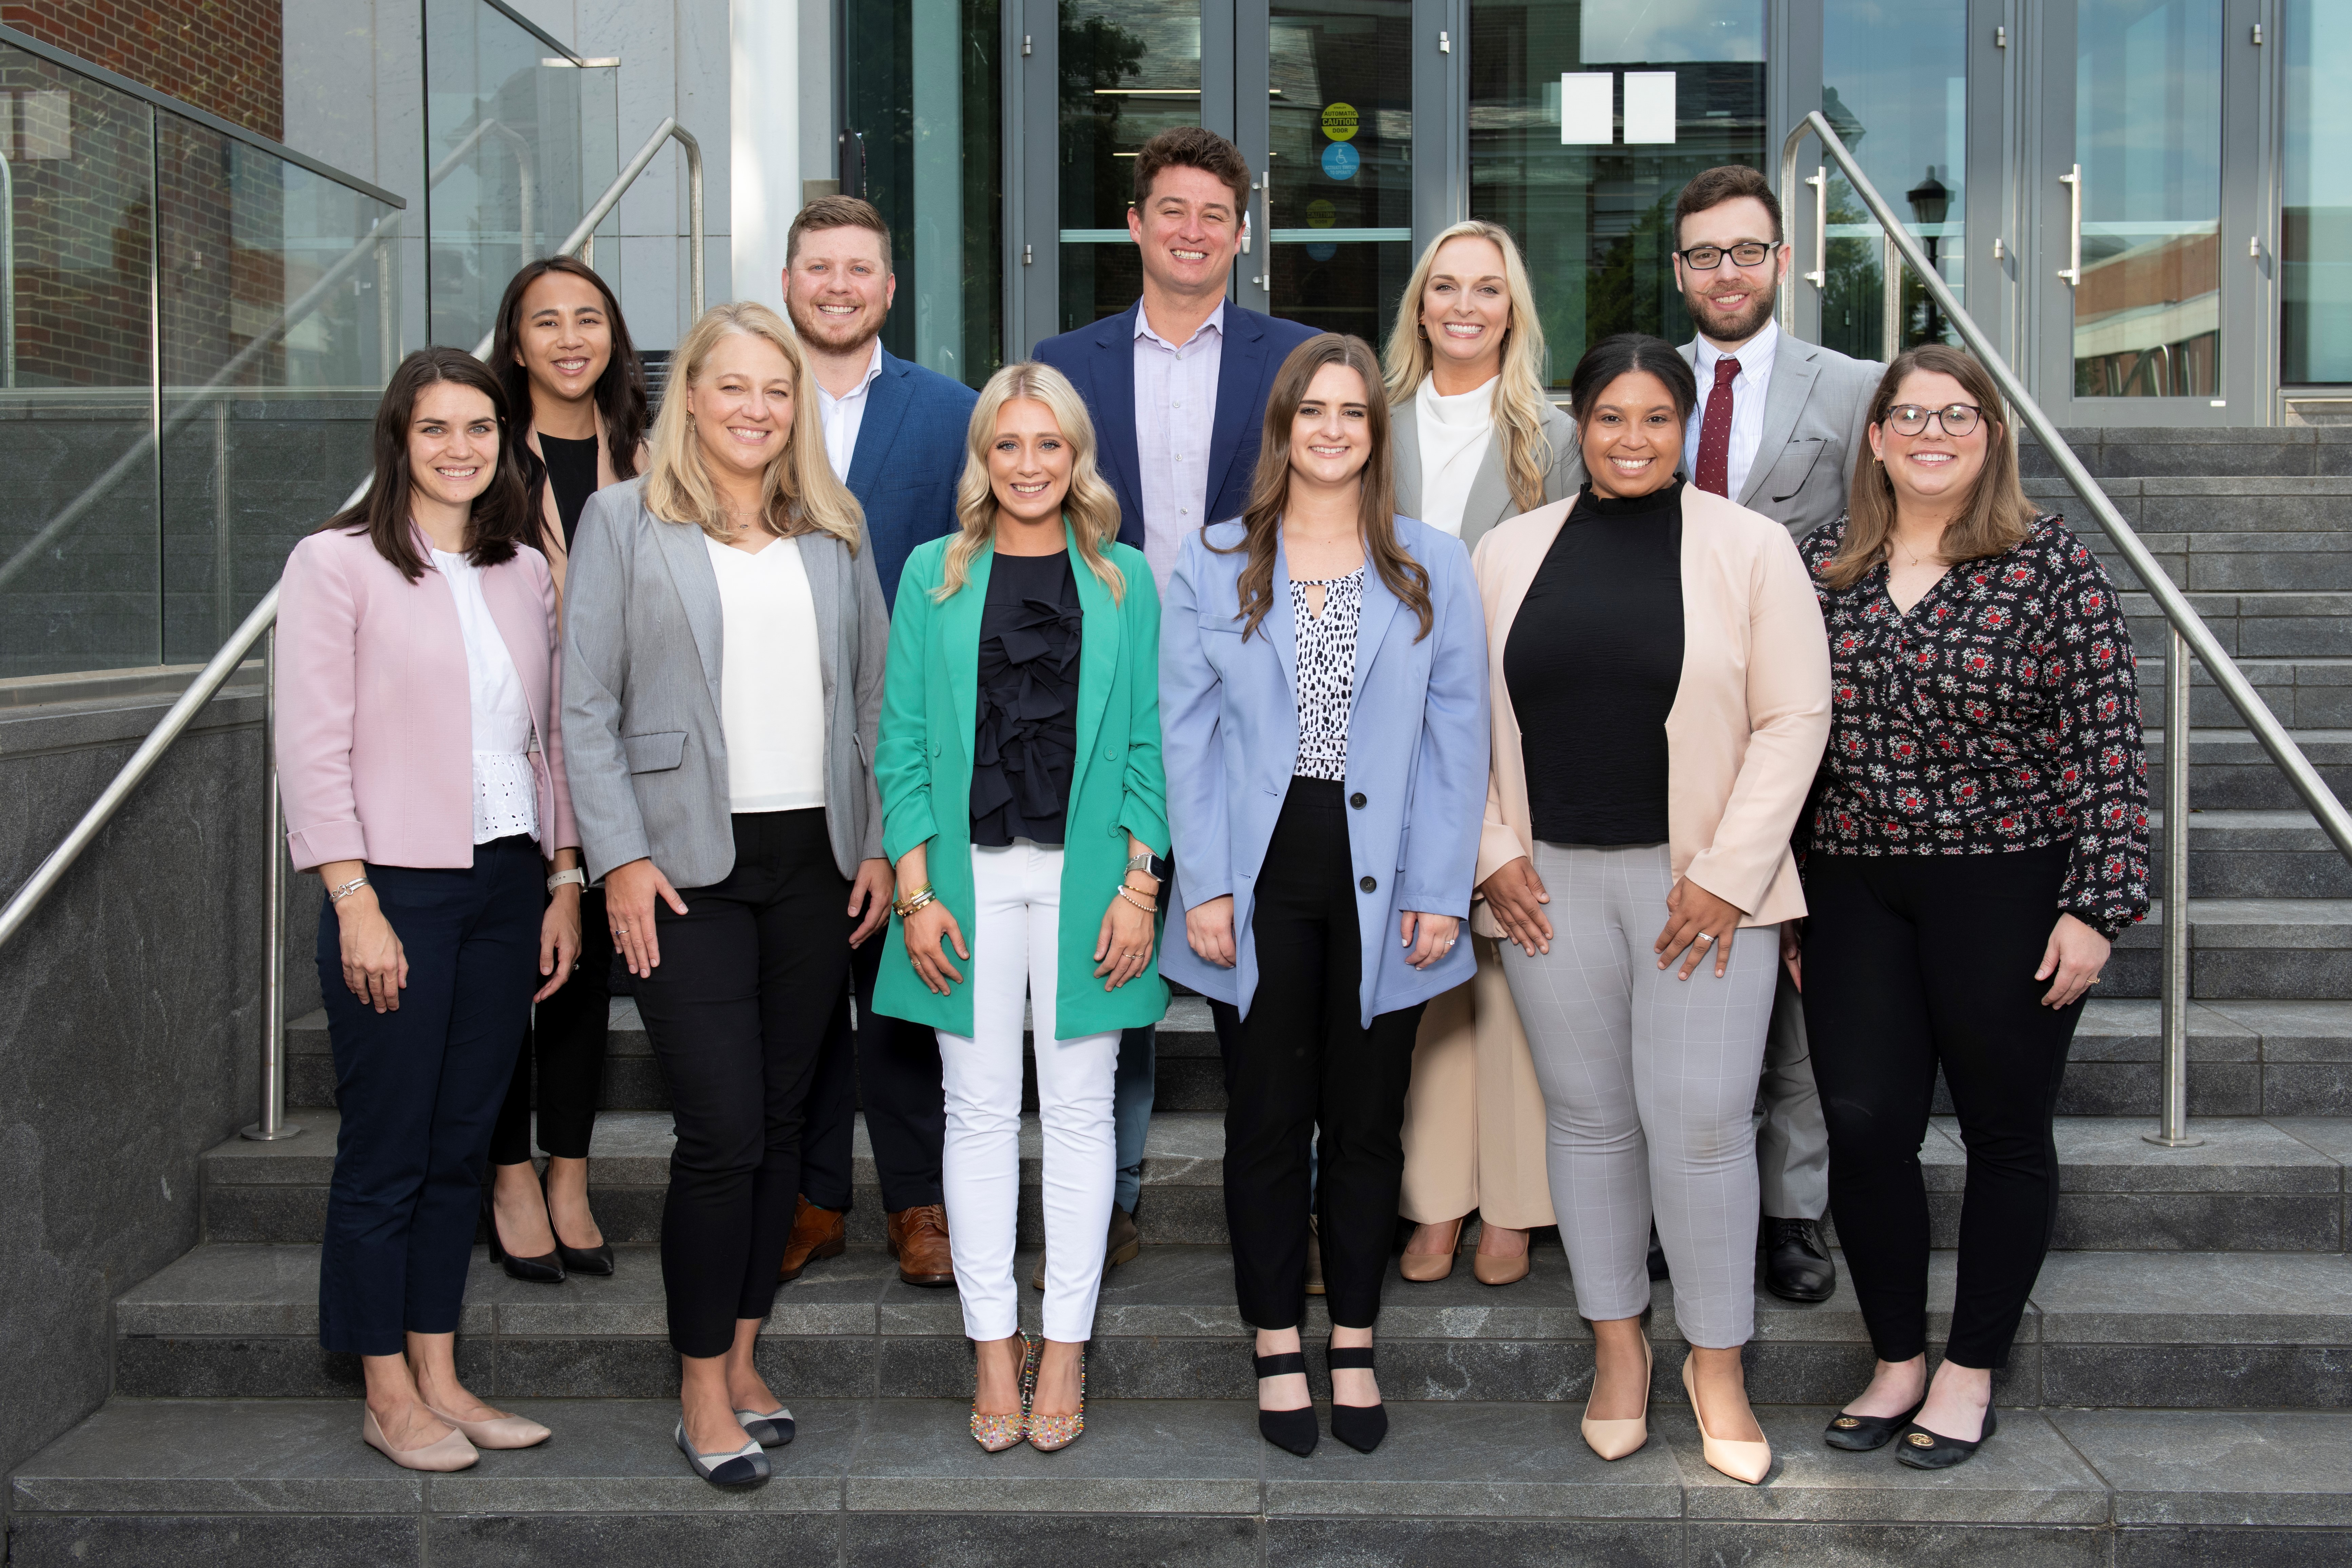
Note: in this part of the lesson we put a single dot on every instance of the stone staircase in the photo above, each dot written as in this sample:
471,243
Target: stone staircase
2181,1390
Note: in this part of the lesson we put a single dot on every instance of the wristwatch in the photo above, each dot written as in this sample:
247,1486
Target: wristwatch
1151,865
574,878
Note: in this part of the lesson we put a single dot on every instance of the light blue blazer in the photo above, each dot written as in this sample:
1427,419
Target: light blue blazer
1417,752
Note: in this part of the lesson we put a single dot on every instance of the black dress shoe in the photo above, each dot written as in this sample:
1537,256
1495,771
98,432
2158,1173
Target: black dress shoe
545,1269
598,1259
1657,1254
1360,1426
1797,1266
1862,1434
1292,1429
1925,1450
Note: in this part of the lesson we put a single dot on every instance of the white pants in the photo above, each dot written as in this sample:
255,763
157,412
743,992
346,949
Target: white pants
1015,942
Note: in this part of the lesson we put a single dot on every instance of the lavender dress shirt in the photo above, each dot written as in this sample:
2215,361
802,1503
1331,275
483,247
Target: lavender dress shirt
1175,413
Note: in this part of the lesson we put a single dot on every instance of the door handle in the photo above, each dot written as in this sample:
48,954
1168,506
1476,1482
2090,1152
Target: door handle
2072,270
1264,277
1818,276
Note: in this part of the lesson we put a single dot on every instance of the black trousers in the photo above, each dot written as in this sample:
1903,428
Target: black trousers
736,1011
565,1044
1916,960
1299,1063
418,1088
894,1068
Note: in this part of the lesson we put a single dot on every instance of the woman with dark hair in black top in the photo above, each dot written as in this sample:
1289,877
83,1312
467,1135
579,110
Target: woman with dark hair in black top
563,355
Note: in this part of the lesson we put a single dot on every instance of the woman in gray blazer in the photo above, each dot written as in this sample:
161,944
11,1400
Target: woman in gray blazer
1476,442
724,636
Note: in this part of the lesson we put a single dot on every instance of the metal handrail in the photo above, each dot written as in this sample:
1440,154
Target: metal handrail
261,623
2189,636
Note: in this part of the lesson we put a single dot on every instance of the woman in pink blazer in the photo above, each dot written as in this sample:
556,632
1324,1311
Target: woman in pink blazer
422,776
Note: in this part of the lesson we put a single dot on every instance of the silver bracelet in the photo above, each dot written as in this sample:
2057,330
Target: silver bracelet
337,895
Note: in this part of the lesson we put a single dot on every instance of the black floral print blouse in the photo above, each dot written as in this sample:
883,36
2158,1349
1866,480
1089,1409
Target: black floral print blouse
2001,712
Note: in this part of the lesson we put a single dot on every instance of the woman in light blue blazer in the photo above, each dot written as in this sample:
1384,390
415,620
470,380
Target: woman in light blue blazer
1323,698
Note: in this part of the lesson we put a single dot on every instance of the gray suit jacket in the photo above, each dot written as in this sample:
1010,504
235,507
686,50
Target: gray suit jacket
642,636
1490,499
1816,427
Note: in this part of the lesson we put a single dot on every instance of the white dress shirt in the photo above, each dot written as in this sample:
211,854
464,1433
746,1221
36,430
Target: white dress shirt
1454,433
1175,413
505,791
842,417
1748,389
771,677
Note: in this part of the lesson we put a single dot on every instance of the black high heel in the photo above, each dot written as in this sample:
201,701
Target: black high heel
545,1269
1360,1426
1292,1429
596,1259
1866,1433
1926,1450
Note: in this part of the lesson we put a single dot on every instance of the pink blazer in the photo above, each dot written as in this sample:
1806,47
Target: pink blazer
375,724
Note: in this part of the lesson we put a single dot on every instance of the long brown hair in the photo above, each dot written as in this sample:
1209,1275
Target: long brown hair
499,520
1376,508
619,392
1996,516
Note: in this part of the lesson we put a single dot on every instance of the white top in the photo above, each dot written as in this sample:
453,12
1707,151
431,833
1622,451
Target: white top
771,677
841,418
1454,434
1748,389
1175,415
505,791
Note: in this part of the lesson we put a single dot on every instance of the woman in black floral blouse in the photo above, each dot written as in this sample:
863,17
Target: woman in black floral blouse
1979,840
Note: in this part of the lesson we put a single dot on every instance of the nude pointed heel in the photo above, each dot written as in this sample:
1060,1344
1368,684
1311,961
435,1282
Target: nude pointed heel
1428,1267
1616,1440
1748,1462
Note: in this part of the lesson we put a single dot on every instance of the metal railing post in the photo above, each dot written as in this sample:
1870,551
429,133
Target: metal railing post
273,1124
2172,1112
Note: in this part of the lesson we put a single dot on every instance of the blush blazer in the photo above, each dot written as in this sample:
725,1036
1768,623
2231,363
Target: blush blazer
375,721
1417,742
1749,720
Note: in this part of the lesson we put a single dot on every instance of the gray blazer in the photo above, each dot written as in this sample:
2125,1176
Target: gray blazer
1490,499
1816,425
642,739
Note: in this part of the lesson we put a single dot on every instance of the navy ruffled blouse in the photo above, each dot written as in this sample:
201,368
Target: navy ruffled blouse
1025,735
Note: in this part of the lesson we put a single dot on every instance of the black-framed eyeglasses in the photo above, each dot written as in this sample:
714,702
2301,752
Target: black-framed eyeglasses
1707,257
1953,419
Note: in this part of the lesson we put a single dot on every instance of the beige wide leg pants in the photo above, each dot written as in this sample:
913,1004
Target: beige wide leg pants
1473,1118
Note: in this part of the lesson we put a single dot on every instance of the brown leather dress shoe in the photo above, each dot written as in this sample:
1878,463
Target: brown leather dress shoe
816,1233
918,1240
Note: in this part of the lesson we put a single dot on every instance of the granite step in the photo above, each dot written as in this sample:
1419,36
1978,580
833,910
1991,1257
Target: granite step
2229,770
2312,693
2137,1329
2268,950
2246,1058
2278,624
1184,1483
2256,855
2252,1186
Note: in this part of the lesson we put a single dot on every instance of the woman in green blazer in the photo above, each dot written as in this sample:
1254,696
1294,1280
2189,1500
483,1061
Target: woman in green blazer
1023,802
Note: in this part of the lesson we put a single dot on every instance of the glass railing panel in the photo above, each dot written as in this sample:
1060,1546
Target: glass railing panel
79,562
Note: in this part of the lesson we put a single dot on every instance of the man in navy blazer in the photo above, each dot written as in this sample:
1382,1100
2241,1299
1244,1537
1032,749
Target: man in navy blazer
1177,386
894,433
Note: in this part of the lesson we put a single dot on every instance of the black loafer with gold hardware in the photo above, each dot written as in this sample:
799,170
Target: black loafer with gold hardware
1862,1434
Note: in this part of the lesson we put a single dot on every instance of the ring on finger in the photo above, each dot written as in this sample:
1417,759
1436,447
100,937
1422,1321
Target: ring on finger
1704,936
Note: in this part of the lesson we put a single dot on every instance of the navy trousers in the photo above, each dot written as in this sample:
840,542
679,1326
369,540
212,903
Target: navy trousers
419,1088
891,1066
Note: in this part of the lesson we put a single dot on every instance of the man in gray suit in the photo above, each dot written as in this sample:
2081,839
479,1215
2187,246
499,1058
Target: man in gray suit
1779,426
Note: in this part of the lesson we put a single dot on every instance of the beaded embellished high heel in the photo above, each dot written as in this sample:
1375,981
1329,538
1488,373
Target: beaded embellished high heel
998,1433
1047,1432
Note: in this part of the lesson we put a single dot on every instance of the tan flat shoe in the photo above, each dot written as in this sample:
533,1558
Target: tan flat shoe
1494,1268
1748,1462
1616,1440
499,1431
1428,1267
451,1451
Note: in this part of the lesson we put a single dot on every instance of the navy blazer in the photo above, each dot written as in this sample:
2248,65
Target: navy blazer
1100,362
909,456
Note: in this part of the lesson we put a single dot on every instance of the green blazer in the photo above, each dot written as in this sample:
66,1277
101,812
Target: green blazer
922,764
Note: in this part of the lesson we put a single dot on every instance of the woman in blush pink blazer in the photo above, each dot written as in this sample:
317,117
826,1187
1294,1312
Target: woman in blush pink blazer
422,776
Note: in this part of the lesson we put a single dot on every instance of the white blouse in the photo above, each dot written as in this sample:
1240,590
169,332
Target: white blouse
505,791
1454,433
771,677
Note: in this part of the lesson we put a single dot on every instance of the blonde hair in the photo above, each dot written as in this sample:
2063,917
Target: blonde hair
1519,401
799,493
1091,508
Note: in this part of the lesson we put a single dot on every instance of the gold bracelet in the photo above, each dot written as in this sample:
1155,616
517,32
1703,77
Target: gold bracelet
915,901
1129,894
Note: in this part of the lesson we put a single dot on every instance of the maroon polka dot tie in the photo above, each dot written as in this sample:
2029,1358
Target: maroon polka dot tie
1715,432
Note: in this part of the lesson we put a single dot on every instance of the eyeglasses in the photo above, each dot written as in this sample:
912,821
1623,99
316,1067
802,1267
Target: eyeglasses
1910,419
1707,257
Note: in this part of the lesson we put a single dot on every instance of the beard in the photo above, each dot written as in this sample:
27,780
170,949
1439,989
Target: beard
831,336
1739,328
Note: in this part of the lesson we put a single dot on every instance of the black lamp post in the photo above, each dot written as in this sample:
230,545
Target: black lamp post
1929,201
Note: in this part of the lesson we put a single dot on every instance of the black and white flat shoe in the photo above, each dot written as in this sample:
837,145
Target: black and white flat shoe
746,1466
772,1430
1925,1450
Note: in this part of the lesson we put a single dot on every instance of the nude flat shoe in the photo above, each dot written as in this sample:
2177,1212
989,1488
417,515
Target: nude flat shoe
499,1431
451,1451
1616,1440
1428,1267
1748,1462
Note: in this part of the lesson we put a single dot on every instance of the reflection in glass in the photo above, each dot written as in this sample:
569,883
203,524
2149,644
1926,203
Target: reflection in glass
1894,85
1596,220
1130,70
2316,227
2147,132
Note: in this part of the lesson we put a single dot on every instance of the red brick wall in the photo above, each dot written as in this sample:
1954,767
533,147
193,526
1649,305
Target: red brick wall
226,56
